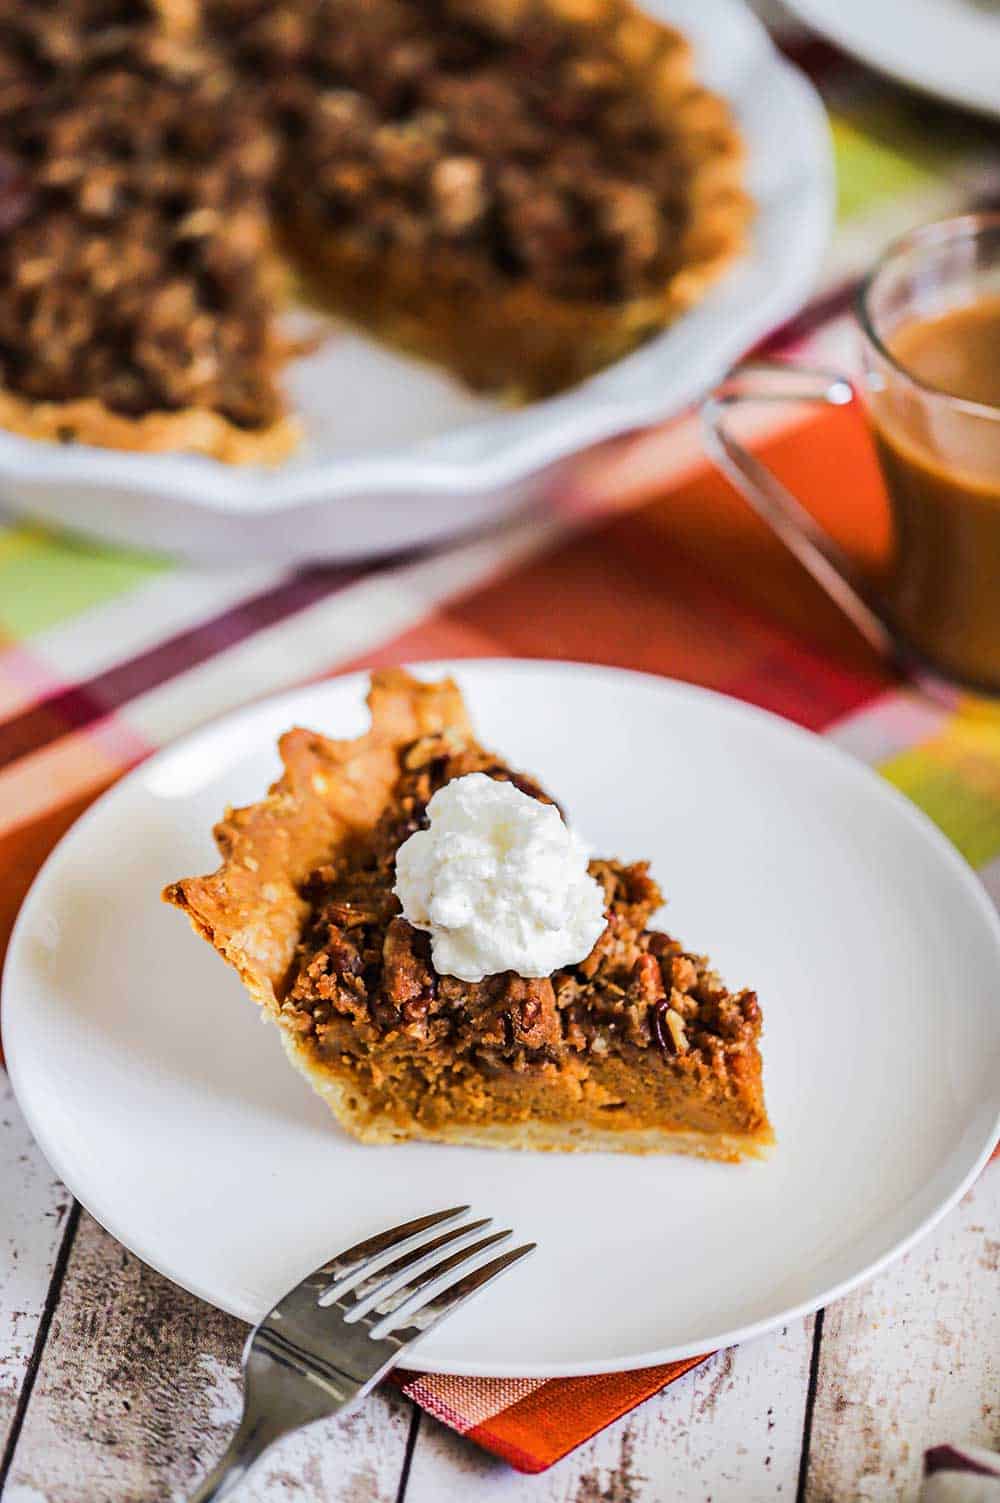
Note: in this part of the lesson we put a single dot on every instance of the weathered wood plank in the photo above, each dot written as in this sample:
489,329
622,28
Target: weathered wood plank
138,1389
731,1429
911,1360
33,1209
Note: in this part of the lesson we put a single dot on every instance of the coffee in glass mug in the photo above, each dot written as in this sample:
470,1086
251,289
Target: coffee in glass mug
929,316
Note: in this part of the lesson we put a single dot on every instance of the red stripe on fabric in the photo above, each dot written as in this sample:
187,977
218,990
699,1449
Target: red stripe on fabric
822,310
80,705
803,686
816,57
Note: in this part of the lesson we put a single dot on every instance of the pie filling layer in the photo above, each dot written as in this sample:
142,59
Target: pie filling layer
548,167
638,1033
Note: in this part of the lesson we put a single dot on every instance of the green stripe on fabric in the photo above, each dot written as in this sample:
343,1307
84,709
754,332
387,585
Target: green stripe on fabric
47,579
15,541
955,779
872,167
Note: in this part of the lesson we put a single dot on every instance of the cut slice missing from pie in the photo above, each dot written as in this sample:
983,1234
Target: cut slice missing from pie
639,1047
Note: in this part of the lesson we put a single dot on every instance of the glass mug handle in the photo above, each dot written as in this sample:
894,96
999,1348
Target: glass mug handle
763,381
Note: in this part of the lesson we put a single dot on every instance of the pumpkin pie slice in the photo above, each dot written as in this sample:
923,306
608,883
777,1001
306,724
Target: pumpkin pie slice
639,1047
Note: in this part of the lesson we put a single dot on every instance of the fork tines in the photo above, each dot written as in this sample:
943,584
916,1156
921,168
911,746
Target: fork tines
336,1333
410,1293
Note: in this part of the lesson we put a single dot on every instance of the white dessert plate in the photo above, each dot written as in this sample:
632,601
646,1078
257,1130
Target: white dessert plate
949,48
169,1109
395,453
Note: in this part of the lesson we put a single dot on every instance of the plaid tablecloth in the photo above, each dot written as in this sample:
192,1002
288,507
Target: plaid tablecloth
644,559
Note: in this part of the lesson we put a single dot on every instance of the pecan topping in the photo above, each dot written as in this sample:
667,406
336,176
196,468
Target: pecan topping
532,1011
647,981
132,265
407,977
458,192
675,1028
361,962
344,959
525,135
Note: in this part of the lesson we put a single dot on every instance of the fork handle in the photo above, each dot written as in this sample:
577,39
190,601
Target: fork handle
250,1441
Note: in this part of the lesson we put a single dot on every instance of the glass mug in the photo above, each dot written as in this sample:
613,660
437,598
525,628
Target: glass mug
936,606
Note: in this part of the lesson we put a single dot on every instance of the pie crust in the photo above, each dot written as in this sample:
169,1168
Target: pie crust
639,1048
193,430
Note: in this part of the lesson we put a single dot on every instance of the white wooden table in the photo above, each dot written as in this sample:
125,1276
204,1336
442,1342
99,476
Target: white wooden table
116,1385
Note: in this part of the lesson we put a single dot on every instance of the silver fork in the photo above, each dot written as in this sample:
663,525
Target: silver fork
331,1338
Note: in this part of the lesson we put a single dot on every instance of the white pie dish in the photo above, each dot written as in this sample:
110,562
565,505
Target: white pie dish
145,1074
396,454
947,48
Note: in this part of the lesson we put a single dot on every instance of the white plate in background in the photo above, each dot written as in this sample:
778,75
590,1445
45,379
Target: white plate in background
396,453
170,1111
949,48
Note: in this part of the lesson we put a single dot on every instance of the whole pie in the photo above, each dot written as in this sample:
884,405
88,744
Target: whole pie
521,190
638,1047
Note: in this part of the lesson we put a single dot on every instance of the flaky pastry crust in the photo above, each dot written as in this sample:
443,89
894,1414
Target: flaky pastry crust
193,430
250,909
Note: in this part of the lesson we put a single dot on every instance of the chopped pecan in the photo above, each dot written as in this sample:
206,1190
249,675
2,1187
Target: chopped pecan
647,981
667,1028
683,973
343,956
458,194
675,1028
531,1007
407,976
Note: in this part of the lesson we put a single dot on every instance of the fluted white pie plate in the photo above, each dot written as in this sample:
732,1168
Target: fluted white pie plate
166,1106
948,48
395,453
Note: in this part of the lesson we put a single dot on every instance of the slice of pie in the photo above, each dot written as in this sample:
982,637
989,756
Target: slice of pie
639,1047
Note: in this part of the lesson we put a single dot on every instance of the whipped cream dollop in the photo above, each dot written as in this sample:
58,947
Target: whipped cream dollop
499,883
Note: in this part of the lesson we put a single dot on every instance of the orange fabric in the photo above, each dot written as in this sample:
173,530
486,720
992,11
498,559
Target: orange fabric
692,585
22,852
536,1431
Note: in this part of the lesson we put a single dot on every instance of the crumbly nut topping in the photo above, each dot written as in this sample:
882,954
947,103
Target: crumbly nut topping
511,136
133,206
359,961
